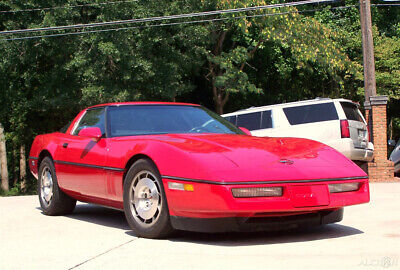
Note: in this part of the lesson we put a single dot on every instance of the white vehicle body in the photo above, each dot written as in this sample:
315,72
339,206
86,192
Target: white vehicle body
335,122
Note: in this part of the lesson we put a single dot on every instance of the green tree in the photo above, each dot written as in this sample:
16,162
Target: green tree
235,41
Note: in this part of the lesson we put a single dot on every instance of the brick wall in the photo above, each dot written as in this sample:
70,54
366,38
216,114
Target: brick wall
367,112
379,132
381,169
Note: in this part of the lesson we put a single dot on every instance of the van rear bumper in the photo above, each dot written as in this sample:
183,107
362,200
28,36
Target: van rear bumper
360,154
347,148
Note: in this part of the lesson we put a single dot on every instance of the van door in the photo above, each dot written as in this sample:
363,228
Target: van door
357,125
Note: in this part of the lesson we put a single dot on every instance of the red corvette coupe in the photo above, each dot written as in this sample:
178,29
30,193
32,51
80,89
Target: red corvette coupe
180,166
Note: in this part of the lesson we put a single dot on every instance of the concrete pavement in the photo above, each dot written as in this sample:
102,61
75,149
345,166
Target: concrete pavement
99,238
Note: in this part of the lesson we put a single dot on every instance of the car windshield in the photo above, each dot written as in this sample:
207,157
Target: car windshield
130,120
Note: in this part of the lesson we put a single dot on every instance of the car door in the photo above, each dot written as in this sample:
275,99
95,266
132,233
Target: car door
80,161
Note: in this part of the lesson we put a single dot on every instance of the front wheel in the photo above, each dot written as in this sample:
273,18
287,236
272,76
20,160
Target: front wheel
145,203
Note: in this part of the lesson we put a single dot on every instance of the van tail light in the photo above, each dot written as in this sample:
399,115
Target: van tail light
344,128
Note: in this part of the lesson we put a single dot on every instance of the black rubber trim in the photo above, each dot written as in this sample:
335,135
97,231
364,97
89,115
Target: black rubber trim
261,182
252,224
398,162
89,165
35,158
362,148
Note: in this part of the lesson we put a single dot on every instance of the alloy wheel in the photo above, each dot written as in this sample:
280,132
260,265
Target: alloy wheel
46,186
145,198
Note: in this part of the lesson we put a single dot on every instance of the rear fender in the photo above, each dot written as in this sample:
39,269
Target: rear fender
42,145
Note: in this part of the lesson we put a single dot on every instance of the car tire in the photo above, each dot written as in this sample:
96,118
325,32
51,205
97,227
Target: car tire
52,199
145,203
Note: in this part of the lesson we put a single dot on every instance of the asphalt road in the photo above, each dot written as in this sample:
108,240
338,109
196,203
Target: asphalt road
99,238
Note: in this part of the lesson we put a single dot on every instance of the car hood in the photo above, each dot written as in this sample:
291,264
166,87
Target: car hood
230,158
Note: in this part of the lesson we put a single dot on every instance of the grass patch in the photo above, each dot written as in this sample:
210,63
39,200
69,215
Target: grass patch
16,190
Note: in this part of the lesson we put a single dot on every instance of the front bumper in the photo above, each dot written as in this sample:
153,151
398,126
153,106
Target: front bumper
253,224
209,200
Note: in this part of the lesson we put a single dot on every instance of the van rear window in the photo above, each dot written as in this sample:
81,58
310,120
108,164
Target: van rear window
311,113
351,111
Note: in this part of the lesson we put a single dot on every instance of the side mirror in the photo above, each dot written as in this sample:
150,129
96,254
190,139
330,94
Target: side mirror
391,142
245,130
91,132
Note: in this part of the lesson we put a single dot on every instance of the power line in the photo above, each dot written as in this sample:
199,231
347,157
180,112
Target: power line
61,7
385,5
175,23
170,17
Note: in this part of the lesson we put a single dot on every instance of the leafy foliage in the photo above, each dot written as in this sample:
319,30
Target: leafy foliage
240,60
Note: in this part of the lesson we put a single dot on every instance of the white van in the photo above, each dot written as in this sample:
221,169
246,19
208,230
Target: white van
335,122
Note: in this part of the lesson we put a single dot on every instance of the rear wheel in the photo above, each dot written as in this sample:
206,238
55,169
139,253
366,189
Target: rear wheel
52,199
145,203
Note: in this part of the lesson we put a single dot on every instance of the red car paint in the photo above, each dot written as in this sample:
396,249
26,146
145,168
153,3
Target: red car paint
93,171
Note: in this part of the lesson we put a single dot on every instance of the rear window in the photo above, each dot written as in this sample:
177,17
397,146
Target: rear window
351,111
311,113
252,121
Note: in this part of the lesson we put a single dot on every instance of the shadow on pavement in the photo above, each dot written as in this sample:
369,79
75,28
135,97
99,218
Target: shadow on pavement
116,219
268,238
99,215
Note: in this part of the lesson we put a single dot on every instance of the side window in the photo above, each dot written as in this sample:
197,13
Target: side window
266,119
251,121
231,119
311,113
92,118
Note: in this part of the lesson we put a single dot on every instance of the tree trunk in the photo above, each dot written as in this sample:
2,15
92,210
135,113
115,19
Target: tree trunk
217,93
13,167
22,167
219,108
3,160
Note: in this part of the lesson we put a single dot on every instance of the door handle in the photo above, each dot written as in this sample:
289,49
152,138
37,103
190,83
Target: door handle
65,145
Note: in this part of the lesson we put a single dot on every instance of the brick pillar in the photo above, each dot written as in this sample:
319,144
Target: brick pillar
367,107
380,169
